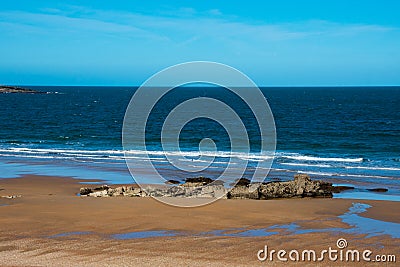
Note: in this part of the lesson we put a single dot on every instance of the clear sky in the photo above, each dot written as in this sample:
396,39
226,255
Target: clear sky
276,43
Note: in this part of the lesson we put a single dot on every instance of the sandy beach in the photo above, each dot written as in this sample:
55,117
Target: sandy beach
50,225
199,133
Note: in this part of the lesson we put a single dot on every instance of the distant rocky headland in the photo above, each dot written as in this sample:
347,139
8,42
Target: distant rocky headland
302,186
6,89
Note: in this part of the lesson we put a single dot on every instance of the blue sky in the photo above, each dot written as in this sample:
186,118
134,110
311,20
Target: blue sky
276,43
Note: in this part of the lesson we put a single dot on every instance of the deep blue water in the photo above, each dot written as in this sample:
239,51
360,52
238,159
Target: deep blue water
350,134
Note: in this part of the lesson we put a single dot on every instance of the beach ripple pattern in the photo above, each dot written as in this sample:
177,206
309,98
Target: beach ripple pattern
152,90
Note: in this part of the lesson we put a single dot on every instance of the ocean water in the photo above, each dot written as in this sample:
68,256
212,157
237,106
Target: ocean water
346,135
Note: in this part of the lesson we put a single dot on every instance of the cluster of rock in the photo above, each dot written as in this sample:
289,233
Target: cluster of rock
106,191
301,186
184,190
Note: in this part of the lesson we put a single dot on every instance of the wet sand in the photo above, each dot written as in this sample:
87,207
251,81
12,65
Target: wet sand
50,225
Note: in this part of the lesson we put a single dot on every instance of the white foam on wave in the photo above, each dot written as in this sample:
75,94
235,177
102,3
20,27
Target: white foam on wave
312,158
41,157
278,169
224,163
307,165
367,176
373,168
211,154
256,157
220,159
60,151
161,156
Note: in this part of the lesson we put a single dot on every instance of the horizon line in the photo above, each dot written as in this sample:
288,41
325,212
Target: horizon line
260,86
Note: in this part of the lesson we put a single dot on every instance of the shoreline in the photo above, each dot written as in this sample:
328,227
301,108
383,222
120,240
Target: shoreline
119,175
61,228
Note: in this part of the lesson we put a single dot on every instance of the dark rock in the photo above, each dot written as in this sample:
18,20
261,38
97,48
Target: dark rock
85,191
341,188
172,182
302,186
323,189
277,190
242,182
198,181
250,191
378,190
101,188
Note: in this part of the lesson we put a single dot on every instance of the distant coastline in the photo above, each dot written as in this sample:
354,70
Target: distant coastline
6,89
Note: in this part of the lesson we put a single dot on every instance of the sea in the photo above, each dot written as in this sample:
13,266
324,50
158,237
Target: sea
345,135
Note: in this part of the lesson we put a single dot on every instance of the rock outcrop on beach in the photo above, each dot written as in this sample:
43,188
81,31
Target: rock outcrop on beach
196,182
341,188
301,186
14,89
379,190
207,191
106,191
